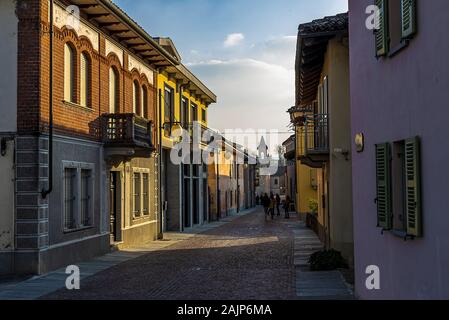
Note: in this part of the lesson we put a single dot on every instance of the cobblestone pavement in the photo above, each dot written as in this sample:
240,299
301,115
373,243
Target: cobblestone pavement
245,259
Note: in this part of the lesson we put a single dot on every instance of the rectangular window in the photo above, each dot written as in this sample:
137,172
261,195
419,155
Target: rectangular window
137,192
169,104
169,108
77,195
187,170
86,198
194,114
203,115
399,187
69,198
185,113
145,194
196,170
397,24
394,23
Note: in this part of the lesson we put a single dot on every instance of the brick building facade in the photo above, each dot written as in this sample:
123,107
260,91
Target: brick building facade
102,166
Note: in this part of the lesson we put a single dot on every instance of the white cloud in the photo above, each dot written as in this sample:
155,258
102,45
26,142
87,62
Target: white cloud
252,94
277,50
233,40
255,86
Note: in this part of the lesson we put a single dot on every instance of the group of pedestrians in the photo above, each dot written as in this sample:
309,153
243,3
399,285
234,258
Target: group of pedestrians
273,203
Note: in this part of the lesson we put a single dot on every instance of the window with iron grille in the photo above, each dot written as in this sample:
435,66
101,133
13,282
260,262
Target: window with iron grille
70,175
86,198
77,195
145,194
137,194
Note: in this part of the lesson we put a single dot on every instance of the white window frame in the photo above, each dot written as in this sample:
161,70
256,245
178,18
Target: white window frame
78,166
141,172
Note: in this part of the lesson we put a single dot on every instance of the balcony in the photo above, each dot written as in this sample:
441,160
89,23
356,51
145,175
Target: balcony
127,135
290,149
314,144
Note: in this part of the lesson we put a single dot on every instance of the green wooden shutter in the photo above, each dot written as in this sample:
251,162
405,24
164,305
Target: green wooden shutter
384,197
408,12
413,192
381,34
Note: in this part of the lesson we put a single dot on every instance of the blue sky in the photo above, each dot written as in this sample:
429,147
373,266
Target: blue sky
243,50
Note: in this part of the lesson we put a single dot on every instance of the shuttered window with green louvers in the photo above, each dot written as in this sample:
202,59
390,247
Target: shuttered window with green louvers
413,192
381,34
408,11
384,194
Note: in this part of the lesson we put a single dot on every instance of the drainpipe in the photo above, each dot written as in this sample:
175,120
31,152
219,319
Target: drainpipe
218,187
181,89
45,193
161,200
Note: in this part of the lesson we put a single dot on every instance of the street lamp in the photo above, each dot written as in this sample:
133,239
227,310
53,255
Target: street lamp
296,115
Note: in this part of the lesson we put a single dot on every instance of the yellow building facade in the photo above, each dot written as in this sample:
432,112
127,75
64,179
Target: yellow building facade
183,102
322,120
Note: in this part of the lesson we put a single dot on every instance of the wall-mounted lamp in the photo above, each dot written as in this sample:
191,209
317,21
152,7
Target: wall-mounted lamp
359,142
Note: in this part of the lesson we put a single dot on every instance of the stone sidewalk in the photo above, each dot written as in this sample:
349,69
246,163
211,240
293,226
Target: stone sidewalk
311,285
39,286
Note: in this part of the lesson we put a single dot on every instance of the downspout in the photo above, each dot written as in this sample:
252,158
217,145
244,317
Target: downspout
181,183
45,193
161,200
218,187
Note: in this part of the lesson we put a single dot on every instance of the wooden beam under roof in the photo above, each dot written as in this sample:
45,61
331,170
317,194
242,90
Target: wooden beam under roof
88,6
108,24
97,15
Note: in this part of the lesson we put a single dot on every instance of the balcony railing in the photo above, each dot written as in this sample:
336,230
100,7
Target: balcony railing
125,130
316,130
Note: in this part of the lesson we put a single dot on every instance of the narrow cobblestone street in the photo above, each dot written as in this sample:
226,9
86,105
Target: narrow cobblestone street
245,259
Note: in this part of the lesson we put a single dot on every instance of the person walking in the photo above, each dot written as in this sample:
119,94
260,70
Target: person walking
287,207
272,206
266,204
278,204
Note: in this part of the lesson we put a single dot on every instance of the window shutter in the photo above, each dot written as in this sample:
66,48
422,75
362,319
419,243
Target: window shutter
381,34
408,12
68,73
135,97
113,91
383,173
413,192
144,102
84,80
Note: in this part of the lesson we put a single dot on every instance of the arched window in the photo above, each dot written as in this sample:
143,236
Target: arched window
144,102
85,84
136,97
113,90
69,73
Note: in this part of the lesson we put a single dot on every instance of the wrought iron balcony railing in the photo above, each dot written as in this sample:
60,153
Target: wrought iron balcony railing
127,130
316,131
